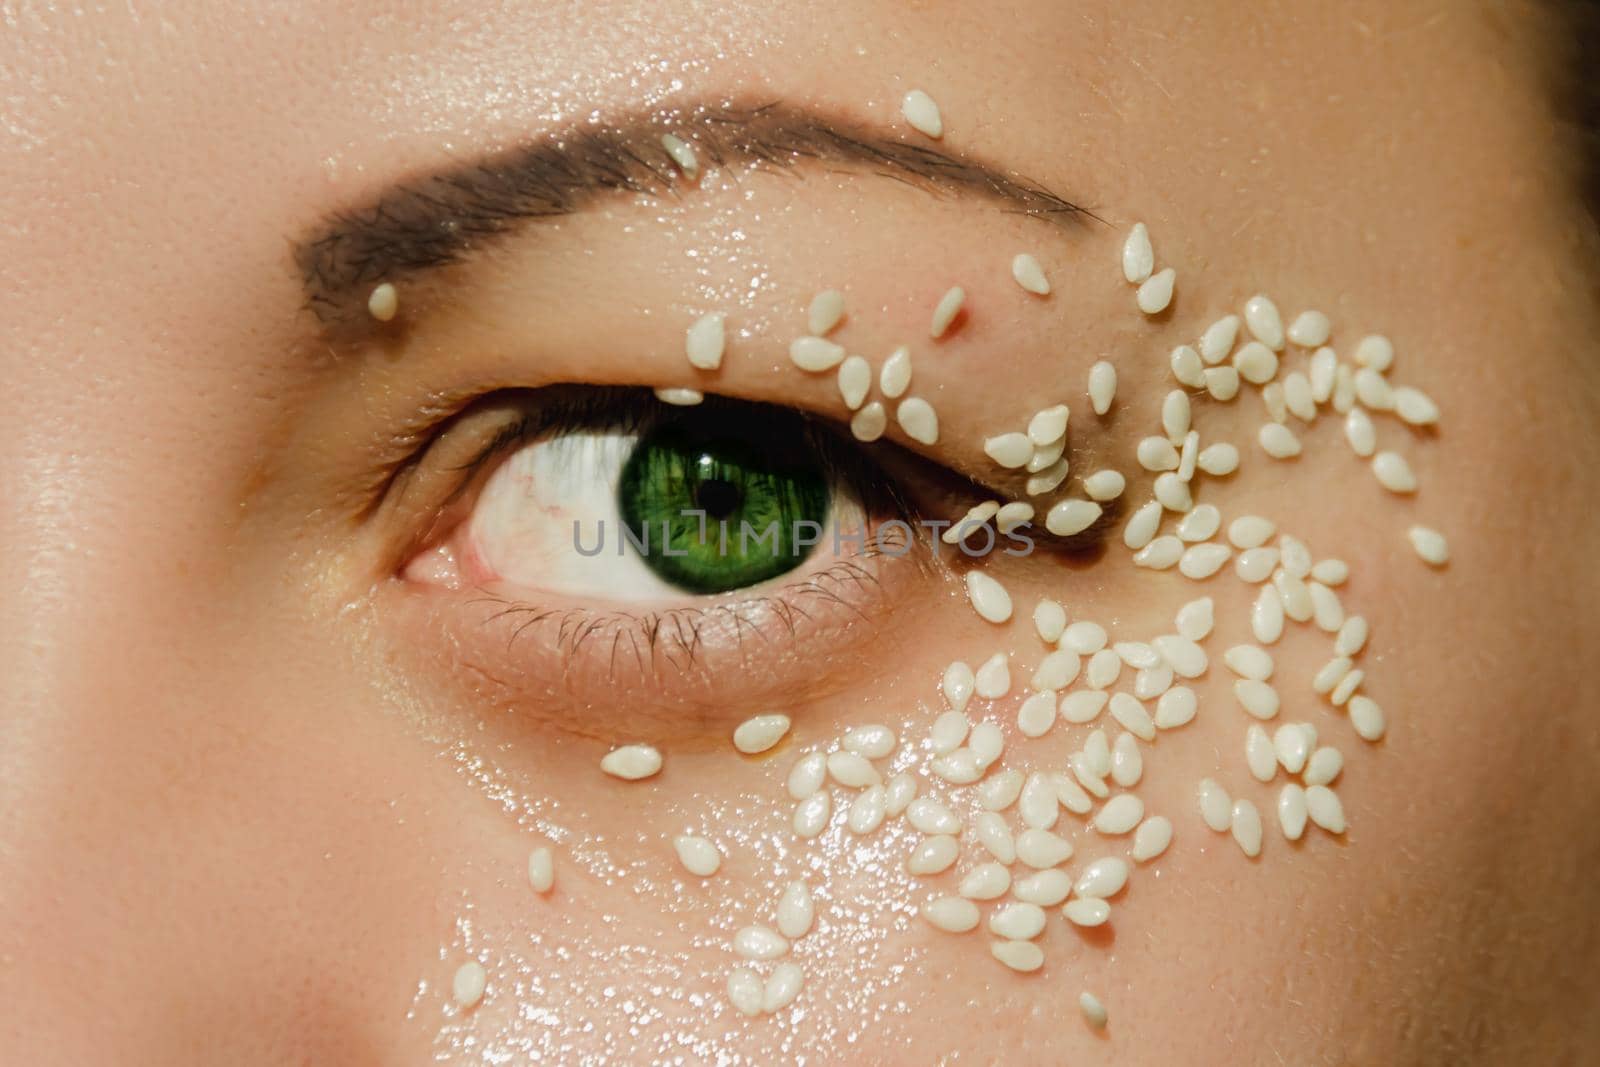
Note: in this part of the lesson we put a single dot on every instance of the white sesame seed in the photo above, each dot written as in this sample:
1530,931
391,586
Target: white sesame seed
1018,921
922,113
1037,805
945,312
1201,561
1297,396
1309,329
952,914
1078,763
1173,493
995,836
1376,352
1041,849
795,910
757,942
1049,621
1326,609
999,791
1084,705
807,775
855,380
760,732
1218,459
699,855
1250,531
1272,397
1028,274
1152,682
1097,750
1010,450
811,814
987,881
1186,657
1344,388
1156,454
1366,717
1102,386
745,991
1324,367
783,987
1151,839
1057,670
1070,794
813,354
1046,481
1045,455
1248,661
1103,878
1259,754
1295,555
1222,383
1138,258
1187,367
1347,687
1044,888
956,683
1294,595
1216,807
1331,572
1175,415
869,423
986,743
873,741
1292,747
1119,815
1010,516
682,154
1084,637
1256,363
1266,616
1323,766
960,767
1265,324
1323,805
852,771
1278,441
1430,544
1160,554
1394,473
826,309
917,419
383,302
1156,292
993,677
631,762
1071,516
1246,827
1360,433
1094,1012
1292,811
1257,698
683,398
1023,956
541,870
1415,406
975,517
1256,564
895,375
1373,390
931,817
1132,716
1217,341
1087,911
1195,619
988,597
933,854
468,983
1200,524
704,341
1137,654
1049,425
1331,674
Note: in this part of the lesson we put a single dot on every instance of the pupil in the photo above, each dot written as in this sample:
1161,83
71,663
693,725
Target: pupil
717,497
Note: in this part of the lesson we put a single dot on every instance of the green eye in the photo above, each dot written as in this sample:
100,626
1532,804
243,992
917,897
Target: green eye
762,489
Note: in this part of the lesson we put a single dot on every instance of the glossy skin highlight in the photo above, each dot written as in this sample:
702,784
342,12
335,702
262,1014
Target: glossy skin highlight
261,797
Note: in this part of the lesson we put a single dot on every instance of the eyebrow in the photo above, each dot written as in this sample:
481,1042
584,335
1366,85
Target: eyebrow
440,218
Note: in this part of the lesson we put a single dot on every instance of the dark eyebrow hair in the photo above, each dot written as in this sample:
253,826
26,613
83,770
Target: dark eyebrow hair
437,219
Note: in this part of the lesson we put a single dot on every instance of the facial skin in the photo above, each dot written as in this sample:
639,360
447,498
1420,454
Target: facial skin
261,796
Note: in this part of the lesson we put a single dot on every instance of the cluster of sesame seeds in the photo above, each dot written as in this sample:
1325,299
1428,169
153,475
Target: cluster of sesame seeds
1138,267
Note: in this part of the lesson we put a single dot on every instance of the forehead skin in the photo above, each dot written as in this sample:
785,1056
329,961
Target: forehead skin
225,836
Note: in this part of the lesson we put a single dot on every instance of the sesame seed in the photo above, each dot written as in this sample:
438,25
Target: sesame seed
1323,766
1297,396
1272,397
1085,638
1250,531
1259,754
1430,544
825,311
999,791
468,983
1324,369
1097,750
852,771
1156,454
988,597
1294,595
1070,795
1373,390
975,517
811,814
1152,838
383,302
995,836
869,423
682,154
1246,827
923,114
987,881
541,870
855,380
1344,388
1187,367
1138,258
917,419
760,732
1120,814
807,775
1256,363
960,767
745,991
899,793
1182,655
1037,804
1083,706
813,354
1020,921
1078,763
1222,383
1201,561
1010,450
1045,888
1173,493
1012,515
1352,636
1256,564
1265,324
1175,415
1326,609
1375,351
1278,441
933,854
895,375
1160,554
1195,619
1366,717
1360,433
1041,849
1132,716
954,915
1156,292
951,728
1309,329
1218,459
868,810
945,312
795,910
1087,911
1292,747
957,685
1295,555
1046,455
1347,687
1102,386
993,677
1028,274
1103,878
931,817
1094,1012
1047,481
631,762
1331,571
1292,811
781,989
1216,807
699,855
1200,524
1257,698
1069,517
1331,674
870,742
683,398
1049,621
1248,661
1266,616
1415,406
1324,808
1049,425
704,340
1137,654
1217,341
1024,956
1394,473
1057,670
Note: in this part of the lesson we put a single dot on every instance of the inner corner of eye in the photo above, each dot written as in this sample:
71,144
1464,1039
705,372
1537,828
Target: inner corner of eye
682,506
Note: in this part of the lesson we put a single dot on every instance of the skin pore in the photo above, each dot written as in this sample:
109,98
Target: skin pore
262,796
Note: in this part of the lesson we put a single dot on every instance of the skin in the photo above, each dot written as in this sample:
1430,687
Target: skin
259,796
